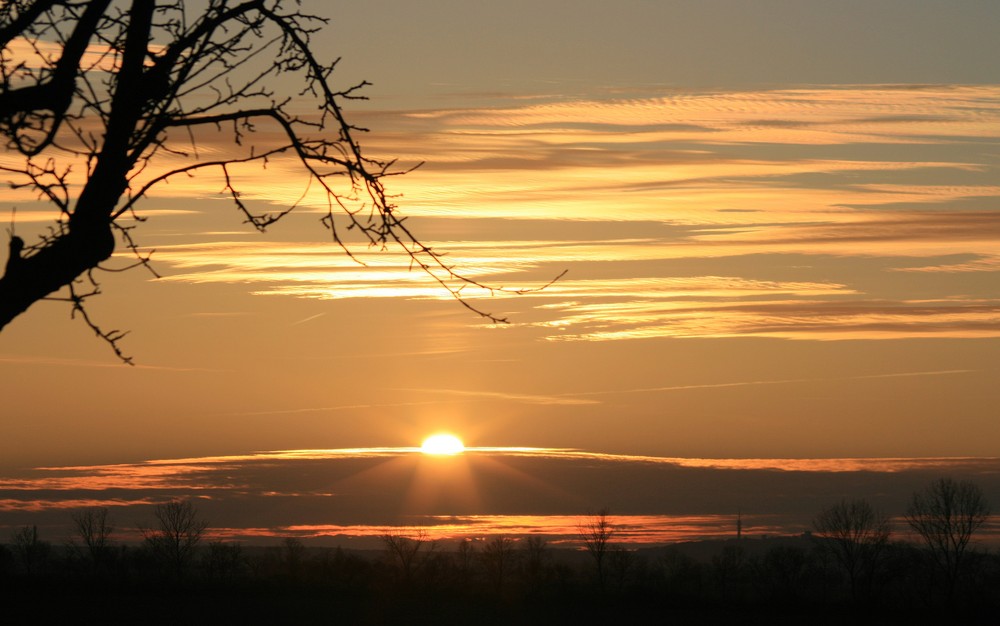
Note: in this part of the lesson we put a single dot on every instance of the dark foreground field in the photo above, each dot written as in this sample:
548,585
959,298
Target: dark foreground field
753,581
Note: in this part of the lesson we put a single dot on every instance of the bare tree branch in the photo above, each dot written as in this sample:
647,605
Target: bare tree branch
131,86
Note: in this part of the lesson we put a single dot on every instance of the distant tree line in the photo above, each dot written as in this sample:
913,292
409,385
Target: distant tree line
849,569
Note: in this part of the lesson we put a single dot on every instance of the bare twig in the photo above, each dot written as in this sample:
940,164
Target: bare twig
110,106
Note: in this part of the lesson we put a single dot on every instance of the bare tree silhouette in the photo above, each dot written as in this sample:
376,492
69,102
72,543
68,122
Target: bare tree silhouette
29,549
536,556
946,514
93,528
498,558
177,534
103,102
404,553
224,560
596,534
293,556
465,556
728,568
857,536
781,573
621,562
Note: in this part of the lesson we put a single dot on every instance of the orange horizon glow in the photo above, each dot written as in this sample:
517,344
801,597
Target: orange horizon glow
430,485
564,531
159,474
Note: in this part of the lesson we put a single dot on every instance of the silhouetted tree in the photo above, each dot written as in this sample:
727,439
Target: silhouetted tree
6,561
177,534
293,554
781,573
946,514
93,528
347,572
404,553
224,560
596,534
727,569
465,560
620,563
536,556
95,96
498,559
683,576
856,535
29,550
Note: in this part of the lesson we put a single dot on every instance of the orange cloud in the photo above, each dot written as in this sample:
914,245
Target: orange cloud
853,172
785,319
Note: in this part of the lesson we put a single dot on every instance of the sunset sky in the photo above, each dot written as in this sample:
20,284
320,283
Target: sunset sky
779,222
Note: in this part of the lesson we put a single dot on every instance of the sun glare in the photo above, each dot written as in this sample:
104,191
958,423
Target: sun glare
442,444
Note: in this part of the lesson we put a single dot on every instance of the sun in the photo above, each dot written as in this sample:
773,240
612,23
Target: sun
442,444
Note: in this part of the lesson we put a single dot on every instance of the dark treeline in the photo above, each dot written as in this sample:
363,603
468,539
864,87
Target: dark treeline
849,569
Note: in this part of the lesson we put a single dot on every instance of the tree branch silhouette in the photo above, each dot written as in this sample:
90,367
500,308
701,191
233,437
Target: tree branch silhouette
132,88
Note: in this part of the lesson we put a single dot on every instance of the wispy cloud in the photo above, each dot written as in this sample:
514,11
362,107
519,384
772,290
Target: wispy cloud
982,263
500,395
313,270
329,409
440,396
308,319
638,306
822,176
754,383
817,320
